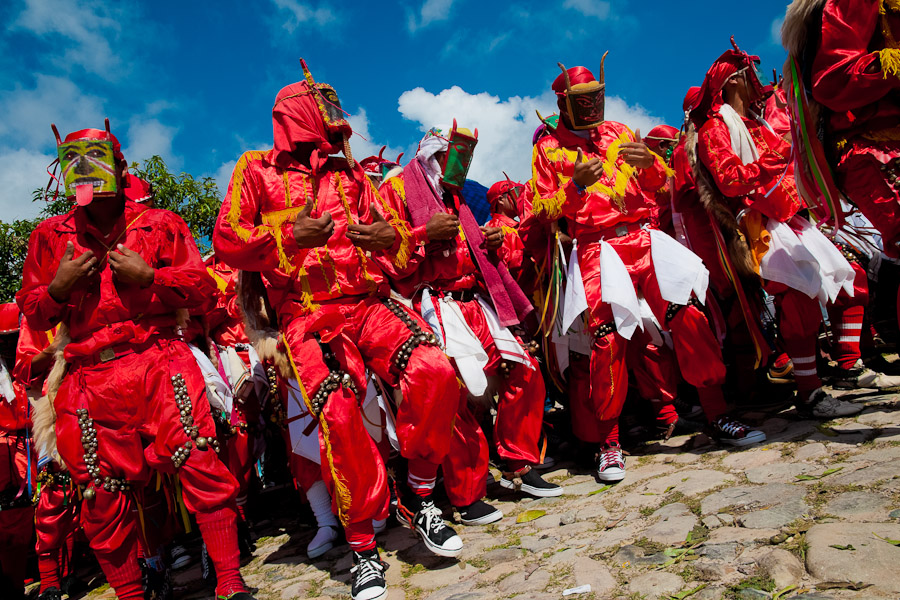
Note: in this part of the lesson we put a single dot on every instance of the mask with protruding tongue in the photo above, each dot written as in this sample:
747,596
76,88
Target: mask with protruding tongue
87,161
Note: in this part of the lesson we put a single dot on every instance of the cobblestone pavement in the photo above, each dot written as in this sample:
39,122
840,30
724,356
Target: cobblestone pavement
813,513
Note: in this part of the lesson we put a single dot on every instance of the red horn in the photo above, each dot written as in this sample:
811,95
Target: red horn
56,133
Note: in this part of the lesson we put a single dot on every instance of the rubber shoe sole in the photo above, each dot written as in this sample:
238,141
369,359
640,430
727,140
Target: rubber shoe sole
754,436
533,491
453,551
611,475
484,519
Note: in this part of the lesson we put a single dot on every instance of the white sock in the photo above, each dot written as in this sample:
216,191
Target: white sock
320,502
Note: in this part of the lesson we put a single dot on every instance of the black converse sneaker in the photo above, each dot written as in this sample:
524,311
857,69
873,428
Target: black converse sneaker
428,522
530,482
51,593
728,430
479,513
611,464
368,576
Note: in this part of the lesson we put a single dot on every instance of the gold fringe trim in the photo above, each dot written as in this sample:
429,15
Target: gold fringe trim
233,217
890,62
889,5
398,186
341,492
509,231
338,182
287,189
221,284
400,225
549,207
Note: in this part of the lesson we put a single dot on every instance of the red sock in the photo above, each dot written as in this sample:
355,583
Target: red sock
665,412
219,531
360,536
609,431
242,514
421,476
48,567
122,571
713,402
847,330
781,360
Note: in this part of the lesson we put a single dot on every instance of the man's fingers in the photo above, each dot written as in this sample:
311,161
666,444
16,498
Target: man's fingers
84,257
307,209
326,218
70,251
580,157
376,216
637,135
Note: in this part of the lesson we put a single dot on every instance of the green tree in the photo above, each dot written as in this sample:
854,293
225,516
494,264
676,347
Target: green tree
196,201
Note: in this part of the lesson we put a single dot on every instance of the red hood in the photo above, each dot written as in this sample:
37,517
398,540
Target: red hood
296,118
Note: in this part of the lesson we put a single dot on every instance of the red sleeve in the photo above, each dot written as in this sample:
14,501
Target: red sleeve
733,178
839,78
38,307
392,196
30,344
654,178
181,279
239,238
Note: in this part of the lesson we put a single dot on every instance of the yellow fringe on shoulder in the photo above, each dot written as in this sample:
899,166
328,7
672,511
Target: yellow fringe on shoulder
509,231
400,225
398,186
890,62
233,217
341,492
543,206
221,284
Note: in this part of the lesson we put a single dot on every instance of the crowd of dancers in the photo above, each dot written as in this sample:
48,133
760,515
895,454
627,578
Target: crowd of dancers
361,311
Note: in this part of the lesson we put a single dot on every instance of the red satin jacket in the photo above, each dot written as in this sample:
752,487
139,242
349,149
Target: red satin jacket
254,231
747,184
854,33
622,195
441,265
102,312
31,343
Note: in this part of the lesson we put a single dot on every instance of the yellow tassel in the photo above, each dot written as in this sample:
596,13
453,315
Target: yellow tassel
221,284
890,5
890,62
398,186
182,508
233,217
509,231
404,251
341,493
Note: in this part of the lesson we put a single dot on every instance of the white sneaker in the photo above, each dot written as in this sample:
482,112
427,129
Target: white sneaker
611,464
322,542
823,406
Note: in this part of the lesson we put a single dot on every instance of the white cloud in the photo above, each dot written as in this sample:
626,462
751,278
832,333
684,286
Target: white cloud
21,172
149,137
82,30
362,144
776,30
590,8
431,11
292,14
505,127
223,175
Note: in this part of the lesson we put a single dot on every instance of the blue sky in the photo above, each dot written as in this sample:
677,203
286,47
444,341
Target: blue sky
195,81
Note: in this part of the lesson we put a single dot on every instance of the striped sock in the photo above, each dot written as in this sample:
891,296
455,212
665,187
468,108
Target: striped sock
847,330
360,536
421,477
122,571
806,374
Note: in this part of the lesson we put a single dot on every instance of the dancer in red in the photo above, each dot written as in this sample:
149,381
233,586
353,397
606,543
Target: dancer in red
662,140
504,198
312,226
594,172
132,399
752,179
17,474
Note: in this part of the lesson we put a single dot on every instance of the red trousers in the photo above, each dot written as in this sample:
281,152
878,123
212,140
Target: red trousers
517,430
846,316
361,333
862,180
15,523
56,517
241,450
698,354
131,401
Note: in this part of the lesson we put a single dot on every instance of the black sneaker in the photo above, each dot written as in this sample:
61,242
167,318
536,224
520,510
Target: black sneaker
368,576
531,483
686,409
428,522
207,571
727,430
479,513
156,580
51,593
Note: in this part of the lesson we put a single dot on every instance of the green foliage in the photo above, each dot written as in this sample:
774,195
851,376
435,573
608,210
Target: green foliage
196,201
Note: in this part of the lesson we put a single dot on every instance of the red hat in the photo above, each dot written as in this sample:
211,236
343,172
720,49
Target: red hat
691,98
94,134
660,134
9,318
576,75
500,188
731,62
137,190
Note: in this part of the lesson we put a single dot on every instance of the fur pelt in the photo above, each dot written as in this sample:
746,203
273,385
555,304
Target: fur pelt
43,416
795,31
260,323
715,204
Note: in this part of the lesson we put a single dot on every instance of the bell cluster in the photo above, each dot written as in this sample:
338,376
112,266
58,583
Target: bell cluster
183,402
277,415
419,337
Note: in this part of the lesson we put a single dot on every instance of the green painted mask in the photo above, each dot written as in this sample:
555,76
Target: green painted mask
458,157
88,169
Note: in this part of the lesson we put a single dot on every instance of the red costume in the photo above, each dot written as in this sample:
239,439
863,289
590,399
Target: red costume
333,308
519,262
17,473
616,209
855,73
450,268
133,391
661,140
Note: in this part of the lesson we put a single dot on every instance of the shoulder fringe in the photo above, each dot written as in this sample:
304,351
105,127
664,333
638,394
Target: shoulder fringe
259,324
43,416
714,203
797,21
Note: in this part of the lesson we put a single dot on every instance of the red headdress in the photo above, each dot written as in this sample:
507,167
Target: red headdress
585,96
731,62
378,166
307,111
659,134
500,188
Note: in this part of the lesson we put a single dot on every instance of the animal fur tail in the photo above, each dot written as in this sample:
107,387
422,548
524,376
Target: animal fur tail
259,320
43,417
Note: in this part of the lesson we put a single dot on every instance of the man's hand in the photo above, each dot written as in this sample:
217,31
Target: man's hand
442,226
377,236
587,173
128,267
312,233
71,271
637,154
493,237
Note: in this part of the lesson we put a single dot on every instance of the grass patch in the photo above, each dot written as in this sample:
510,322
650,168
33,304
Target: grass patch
646,511
413,569
478,563
700,533
757,582
559,578
648,546
514,541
